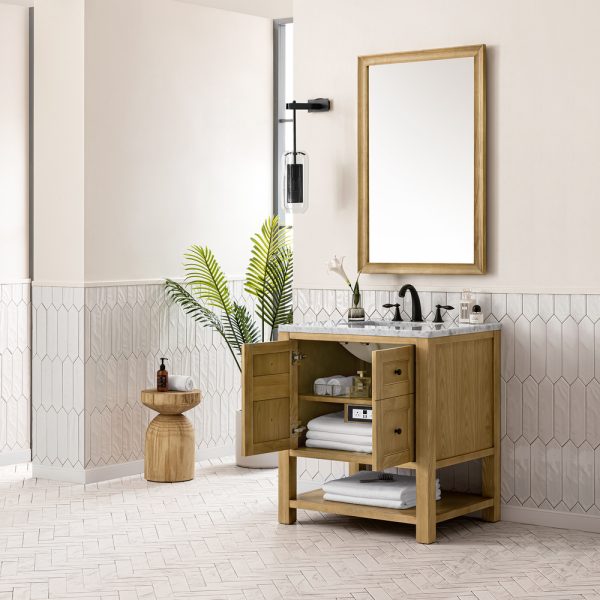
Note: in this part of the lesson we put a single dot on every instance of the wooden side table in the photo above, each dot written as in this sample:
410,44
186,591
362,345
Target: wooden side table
170,452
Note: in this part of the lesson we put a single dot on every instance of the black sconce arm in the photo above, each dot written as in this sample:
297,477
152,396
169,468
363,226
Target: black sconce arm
315,105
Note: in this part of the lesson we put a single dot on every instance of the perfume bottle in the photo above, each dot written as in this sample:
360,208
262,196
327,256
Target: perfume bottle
465,306
361,386
476,316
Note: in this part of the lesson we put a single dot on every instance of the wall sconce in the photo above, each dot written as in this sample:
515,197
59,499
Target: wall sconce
295,163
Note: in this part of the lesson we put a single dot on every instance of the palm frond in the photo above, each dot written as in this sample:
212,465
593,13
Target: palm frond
177,293
207,279
267,271
279,296
241,329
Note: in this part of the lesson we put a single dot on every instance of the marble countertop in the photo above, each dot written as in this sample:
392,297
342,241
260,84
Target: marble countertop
390,329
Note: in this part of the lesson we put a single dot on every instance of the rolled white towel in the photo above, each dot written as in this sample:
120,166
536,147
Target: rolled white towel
181,383
340,386
322,387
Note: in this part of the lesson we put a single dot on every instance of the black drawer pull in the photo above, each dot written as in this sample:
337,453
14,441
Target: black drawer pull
398,430
397,371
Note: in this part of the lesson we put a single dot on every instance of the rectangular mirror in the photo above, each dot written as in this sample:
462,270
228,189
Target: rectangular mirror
422,162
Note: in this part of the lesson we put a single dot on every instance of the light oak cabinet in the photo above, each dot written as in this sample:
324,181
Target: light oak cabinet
435,403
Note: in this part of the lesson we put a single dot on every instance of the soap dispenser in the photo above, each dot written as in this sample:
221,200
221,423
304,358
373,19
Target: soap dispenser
162,377
361,386
465,306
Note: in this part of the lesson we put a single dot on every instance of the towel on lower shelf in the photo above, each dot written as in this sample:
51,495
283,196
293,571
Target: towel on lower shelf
344,438
334,423
402,489
380,503
331,445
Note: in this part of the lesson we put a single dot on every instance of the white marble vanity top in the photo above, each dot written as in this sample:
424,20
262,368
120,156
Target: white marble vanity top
390,329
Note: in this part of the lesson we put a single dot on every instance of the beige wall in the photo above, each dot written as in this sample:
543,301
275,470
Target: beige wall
178,135
14,142
544,132
58,140
273,9
161,137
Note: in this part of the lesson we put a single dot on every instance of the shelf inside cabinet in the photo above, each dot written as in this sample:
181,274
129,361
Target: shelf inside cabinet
339,455
336,399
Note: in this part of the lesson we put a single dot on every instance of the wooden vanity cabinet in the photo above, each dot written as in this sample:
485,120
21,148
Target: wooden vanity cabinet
435,403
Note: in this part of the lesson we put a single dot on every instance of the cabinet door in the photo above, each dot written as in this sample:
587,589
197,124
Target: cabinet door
393,407
269,397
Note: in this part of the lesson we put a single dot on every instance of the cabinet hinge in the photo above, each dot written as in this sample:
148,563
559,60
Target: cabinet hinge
297,357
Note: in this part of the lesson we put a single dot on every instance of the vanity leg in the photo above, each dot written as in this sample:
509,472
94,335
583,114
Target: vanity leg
491,464
287,487
354,468
490,486
426,508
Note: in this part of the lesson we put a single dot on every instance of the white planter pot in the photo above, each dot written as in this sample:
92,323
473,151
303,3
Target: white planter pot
260,461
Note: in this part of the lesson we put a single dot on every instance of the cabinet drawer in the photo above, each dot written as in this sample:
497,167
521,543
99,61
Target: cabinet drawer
393,437
394,372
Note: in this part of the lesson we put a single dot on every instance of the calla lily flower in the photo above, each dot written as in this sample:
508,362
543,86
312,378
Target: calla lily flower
336,265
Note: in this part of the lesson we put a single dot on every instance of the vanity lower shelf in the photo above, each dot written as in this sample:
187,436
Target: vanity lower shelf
452,504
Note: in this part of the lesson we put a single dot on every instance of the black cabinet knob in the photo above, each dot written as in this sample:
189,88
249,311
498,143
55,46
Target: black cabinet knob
398,430
398,371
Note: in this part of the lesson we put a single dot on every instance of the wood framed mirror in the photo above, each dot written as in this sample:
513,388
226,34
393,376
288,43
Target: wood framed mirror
422,162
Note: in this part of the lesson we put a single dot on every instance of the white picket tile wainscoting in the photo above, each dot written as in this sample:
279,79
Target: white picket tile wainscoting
94,349
15,373
550,393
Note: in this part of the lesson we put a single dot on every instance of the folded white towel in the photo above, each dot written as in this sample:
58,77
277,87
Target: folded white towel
331,445
398,504
181,383
340,386
334,423
344,438
402,489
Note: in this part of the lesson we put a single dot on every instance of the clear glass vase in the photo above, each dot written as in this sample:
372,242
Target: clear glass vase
356,312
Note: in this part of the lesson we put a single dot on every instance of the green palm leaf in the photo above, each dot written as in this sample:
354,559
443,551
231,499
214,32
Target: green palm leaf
198,312
269,274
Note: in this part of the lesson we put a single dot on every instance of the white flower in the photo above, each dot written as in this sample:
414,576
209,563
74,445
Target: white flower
336,265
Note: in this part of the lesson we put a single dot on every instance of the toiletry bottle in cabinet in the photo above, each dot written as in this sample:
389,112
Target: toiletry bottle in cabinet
465,306
162,377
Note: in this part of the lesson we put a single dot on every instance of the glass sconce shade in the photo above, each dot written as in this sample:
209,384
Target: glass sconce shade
295,182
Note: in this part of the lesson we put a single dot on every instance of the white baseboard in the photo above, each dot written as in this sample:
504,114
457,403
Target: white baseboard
551,518
107,472
15,458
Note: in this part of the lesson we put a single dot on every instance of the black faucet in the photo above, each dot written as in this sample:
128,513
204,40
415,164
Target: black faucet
417,315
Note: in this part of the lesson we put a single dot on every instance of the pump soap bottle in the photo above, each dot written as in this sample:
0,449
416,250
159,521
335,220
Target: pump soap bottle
162,377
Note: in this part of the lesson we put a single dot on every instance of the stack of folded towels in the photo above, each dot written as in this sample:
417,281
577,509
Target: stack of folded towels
365,488
332,432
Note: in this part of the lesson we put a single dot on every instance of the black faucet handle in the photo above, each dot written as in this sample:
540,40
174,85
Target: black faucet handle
397,316
438,312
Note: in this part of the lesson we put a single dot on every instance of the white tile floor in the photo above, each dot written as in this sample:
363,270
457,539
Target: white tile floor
217,537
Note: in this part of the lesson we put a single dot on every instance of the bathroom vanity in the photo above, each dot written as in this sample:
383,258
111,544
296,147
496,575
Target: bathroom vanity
435,402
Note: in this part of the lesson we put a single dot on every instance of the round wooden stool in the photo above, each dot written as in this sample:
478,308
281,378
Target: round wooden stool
170,452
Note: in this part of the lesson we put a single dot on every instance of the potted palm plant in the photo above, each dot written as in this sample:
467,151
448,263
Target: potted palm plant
206,298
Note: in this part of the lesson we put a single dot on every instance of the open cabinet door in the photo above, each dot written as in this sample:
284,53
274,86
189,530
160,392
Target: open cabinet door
393,407
269,397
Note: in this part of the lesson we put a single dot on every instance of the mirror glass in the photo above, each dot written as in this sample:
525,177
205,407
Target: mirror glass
421,168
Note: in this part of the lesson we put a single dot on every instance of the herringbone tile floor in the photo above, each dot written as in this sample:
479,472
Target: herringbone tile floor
217,537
